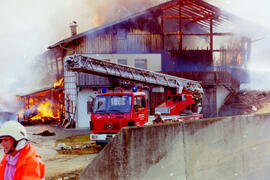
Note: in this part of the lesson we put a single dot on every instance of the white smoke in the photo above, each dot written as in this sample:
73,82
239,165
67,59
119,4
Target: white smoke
28,27
256,12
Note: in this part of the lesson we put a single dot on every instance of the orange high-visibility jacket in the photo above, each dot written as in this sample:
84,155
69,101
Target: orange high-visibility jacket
29,165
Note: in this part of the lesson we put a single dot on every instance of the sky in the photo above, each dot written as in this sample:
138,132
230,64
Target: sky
28,27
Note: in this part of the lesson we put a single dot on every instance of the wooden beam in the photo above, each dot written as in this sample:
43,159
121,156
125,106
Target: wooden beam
200,34
178,17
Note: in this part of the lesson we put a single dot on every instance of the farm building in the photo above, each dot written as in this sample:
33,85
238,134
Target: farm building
185,38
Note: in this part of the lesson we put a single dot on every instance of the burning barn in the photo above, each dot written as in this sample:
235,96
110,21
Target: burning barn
44,106
186,38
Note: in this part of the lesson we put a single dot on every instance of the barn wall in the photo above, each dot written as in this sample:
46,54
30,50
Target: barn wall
85,96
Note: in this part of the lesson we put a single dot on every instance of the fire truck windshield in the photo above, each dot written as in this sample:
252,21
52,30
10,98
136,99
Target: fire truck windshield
112,104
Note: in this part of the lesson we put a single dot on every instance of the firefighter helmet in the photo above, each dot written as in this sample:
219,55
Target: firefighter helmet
158,113
13,129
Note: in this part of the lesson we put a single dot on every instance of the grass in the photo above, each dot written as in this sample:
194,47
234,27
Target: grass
75,140
78,140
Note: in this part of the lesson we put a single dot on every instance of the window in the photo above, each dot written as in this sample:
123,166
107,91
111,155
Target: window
122,61
99,105
112,104
89,104
141,63
139,103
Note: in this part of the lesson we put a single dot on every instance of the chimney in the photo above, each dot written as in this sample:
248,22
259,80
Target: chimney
73,27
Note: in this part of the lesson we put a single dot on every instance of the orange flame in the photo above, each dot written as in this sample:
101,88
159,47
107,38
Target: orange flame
20,113
239,59
59,83
44,111
46,106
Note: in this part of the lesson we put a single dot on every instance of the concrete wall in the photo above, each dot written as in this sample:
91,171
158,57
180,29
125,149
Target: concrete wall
83,116
222,93
209,102
221,148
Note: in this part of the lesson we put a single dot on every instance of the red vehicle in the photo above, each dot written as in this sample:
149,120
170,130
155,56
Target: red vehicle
186,102
112,111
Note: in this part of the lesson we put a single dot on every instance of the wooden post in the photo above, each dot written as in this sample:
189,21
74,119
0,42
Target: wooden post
180,36
211,38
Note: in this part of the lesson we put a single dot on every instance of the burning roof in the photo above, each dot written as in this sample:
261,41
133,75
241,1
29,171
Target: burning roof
196,13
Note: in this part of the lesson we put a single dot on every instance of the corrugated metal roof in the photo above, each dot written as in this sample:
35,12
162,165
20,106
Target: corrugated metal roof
192,8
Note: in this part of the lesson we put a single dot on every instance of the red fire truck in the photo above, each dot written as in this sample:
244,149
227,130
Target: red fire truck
112,111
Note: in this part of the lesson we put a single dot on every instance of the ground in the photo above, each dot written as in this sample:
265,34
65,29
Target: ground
57,165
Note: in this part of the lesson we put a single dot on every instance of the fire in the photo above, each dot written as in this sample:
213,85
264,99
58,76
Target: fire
46,106
59,83
239,59
20,113
45,110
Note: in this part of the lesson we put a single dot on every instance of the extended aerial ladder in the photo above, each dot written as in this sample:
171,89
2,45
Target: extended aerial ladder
82,63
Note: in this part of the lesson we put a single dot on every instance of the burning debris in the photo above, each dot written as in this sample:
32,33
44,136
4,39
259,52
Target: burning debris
45,133
245,102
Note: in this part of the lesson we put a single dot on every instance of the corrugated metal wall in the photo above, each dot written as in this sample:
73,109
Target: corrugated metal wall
85,79
70,95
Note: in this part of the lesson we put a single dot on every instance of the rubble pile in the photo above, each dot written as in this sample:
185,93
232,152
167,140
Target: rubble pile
45,133
245,102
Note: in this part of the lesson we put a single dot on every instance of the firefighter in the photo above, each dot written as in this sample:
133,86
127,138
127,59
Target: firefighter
197,96
158,119
21,160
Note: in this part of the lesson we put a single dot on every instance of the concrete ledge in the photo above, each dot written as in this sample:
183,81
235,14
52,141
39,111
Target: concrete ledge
221,148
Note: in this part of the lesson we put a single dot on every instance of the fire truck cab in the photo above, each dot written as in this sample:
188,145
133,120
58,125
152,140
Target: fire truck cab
112,111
